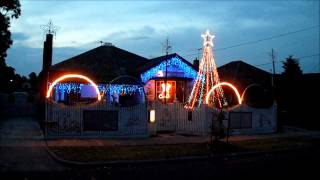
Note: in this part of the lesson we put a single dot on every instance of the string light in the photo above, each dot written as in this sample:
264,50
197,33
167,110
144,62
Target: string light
127,89
174,64
224,84
104,89
68,76
207,77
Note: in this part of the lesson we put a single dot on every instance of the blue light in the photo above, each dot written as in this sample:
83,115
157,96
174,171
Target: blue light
121,89
68,87
103,88
175,64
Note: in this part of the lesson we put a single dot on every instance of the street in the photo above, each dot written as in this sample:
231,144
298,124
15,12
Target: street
23,156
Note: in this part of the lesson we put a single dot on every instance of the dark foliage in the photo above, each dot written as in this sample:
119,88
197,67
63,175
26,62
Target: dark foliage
8,9
292,70
33,80
291,103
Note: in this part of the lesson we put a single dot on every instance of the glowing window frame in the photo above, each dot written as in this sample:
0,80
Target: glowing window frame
73,76
165,94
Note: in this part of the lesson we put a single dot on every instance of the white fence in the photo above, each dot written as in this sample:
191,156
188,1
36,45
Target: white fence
174,117
263,120
104,120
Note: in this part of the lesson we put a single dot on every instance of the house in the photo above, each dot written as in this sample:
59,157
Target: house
119,74
243,74
126,82
254,84
110,92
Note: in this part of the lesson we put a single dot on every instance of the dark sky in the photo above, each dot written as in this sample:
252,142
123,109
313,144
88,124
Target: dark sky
142,26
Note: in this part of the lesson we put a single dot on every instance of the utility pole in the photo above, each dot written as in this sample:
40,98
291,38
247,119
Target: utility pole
273,58
167,47
199,49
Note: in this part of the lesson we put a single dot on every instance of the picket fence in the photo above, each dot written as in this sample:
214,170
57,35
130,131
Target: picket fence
174,117
68,121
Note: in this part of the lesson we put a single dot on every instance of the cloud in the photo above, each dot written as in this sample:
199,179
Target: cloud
137,38
142,26
19,36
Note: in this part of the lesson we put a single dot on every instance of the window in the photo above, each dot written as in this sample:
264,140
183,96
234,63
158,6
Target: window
100,120
166,92
240,120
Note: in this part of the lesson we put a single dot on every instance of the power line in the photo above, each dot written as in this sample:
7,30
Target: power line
260,40
268,38
299,59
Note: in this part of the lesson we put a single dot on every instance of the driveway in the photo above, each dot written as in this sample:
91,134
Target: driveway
22,148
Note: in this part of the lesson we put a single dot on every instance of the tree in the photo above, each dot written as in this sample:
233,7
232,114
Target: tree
8,9
290,91
291,68
33,80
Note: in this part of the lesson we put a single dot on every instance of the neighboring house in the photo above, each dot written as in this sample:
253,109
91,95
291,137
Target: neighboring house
243,74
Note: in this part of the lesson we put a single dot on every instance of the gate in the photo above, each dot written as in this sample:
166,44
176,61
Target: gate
174,117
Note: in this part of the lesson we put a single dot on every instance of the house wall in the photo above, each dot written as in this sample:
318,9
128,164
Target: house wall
264,120
149,89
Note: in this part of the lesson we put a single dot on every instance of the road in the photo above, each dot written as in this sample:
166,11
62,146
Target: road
23,156
22,148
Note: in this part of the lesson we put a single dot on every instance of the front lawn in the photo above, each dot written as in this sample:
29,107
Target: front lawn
109,153
148,152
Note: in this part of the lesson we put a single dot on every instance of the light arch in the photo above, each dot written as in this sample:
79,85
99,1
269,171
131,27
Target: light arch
224,84
79,76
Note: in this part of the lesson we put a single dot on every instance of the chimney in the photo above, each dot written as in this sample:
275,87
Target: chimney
196,63
47,52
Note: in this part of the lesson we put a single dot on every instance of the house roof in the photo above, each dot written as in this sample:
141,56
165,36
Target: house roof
155,61
243,74
102,64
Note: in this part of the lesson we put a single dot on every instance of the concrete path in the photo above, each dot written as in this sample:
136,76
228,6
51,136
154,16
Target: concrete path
22,147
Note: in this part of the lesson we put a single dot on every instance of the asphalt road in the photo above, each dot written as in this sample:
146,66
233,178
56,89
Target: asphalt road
302,164
23,156
22,148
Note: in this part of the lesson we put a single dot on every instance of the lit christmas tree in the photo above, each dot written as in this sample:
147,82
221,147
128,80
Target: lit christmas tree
207,77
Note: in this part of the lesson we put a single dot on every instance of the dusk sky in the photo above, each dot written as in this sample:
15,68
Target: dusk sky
142,26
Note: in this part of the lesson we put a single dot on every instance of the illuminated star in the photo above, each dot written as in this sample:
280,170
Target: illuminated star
207,39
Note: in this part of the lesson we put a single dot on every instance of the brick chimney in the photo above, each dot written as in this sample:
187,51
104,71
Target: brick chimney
47,53
196,63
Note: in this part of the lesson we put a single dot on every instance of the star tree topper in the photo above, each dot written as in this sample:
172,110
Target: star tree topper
207,39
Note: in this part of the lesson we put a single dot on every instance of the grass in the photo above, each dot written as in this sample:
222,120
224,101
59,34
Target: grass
87,154
110,153
276,144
